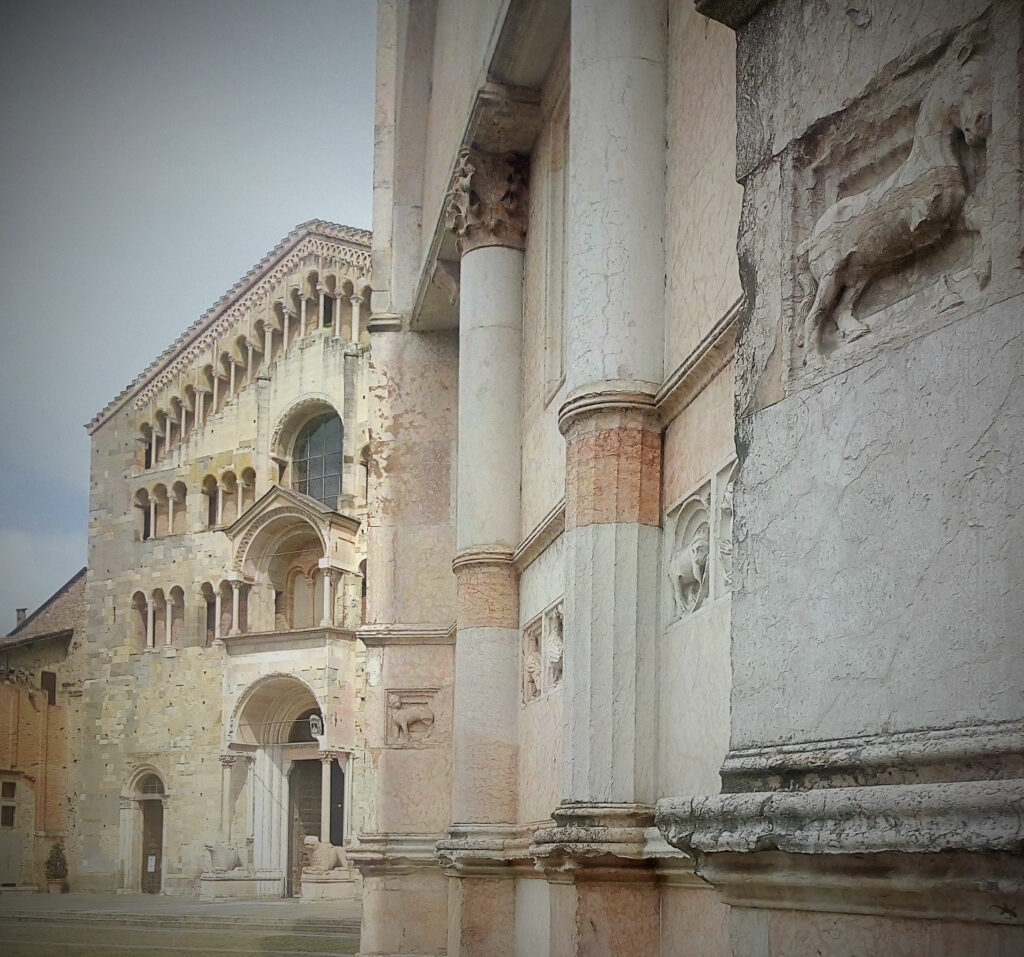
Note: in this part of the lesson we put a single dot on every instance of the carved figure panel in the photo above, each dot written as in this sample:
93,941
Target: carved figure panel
543,649
699,544
411,717
889,197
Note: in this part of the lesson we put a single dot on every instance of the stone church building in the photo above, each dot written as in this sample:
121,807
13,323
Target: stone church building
219,726
629,564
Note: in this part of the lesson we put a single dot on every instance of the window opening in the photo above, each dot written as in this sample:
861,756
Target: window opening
316,463
48,682
8,790
7,815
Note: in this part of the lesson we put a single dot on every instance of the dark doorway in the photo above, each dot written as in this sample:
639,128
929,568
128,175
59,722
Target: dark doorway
152,845
304,815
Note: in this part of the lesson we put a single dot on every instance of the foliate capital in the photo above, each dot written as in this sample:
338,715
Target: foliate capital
488,200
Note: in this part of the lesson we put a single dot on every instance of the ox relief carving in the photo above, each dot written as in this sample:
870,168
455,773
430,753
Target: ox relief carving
411,717
542,653
699,540
890,196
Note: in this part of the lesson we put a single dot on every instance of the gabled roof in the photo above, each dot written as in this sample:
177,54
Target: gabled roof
58,616
322,229
281,503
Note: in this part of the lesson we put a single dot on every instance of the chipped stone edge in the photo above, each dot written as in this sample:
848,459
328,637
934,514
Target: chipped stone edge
908,819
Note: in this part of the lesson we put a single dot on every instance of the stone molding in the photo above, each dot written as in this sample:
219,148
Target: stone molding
696,372
544,534
910,819
484,850
944,754
599,839
482,555
488,200
384,322
378,635
603,397
380,854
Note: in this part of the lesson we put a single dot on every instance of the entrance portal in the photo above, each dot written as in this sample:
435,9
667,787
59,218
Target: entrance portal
152,845
304,795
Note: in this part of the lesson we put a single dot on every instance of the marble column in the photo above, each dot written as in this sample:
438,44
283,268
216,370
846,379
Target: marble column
168,619
326,760
217,603
488,214
150,622
614,367
227,762
357,305
328,579
236,593
152,518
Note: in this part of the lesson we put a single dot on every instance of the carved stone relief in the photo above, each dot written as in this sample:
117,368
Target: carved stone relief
890,198
699,542
542,653
411,717
488,198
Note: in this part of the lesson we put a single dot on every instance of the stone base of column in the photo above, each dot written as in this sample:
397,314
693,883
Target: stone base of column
405,896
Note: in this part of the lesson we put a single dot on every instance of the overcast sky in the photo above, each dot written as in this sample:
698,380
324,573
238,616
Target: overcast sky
151,152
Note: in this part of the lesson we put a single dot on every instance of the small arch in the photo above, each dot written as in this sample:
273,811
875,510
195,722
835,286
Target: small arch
139,621
229,506
267,710
210,490
177,600
179,498
209,599
143,517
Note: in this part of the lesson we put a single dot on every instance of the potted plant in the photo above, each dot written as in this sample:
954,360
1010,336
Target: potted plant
56,869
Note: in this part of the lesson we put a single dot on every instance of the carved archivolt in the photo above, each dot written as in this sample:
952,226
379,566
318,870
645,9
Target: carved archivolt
487,202
699,535
926,201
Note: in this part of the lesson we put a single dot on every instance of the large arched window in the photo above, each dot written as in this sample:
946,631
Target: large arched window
316,461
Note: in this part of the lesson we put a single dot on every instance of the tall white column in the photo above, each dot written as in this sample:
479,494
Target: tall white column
326,760
201,400
231,385
217,610
216,386
239,489
152,518
357,305
220,503
287,317
170,513
328,579
248,365
268,342
150,623
227,762
322,290
236,591
488,214
302,315
168,619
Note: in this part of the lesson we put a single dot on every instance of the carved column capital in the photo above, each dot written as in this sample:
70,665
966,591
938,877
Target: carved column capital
488,200
228,760
326,757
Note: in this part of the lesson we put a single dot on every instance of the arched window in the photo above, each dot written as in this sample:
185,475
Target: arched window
316,461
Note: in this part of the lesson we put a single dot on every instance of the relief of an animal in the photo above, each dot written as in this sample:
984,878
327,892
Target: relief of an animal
862,236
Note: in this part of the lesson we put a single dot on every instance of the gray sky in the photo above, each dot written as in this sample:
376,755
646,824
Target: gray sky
151,152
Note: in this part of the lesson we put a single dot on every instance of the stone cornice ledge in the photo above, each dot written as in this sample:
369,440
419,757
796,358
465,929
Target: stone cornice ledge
544,533
694,374
395,634
491,850
908,819
482,555
612,396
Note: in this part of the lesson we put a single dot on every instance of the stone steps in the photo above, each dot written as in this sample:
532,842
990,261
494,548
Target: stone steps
121,935
305,925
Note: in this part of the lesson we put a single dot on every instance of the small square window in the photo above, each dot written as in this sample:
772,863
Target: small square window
7,789
7,815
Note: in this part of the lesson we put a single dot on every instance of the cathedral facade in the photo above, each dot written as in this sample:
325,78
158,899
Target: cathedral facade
219,729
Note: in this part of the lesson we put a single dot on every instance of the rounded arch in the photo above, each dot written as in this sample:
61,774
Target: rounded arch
291,421
267,709
136,780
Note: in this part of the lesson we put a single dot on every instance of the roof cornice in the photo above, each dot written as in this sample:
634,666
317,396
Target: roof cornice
256,284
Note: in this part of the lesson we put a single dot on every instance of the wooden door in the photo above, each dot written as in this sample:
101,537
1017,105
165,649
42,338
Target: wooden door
152,845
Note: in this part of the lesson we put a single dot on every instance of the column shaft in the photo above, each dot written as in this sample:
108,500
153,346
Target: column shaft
217,602
150,623
326,760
